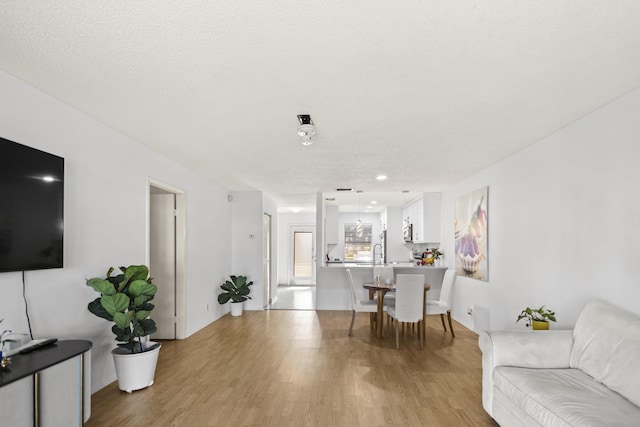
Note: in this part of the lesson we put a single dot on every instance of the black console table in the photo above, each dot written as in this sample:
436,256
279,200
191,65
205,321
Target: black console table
48,386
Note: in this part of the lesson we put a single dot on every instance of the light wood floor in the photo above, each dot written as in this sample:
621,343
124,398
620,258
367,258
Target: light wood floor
299,368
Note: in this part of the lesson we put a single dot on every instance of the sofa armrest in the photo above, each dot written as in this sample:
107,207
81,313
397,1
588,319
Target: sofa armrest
527,349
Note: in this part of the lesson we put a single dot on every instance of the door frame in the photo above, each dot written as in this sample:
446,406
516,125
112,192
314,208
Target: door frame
181,246
293,228
266,260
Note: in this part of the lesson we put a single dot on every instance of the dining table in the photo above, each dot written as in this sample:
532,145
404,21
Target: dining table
381,288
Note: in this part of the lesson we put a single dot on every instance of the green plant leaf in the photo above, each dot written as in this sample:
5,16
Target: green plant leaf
141,287
149,327
122,334
142,314
224,298
96,308
115,303
139,301
123,320
104,287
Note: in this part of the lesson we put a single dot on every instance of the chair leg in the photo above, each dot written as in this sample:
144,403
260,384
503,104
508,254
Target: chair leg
420,329
442,320
450,324
353,318
397,336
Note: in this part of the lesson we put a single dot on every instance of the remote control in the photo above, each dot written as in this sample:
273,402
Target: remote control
38,345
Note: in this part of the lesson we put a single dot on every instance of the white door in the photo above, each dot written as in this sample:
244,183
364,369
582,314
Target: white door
302,270
266,258
162,262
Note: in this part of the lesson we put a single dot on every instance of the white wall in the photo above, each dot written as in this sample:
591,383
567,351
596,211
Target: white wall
563,222
105,223
247,210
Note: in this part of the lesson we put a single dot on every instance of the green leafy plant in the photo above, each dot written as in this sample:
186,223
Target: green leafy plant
236,290
539,315
436,253
124,300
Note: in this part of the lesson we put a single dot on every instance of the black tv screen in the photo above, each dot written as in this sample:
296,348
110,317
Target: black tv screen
31,208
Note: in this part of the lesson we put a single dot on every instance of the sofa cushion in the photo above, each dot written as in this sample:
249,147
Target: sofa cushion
606,346
564,397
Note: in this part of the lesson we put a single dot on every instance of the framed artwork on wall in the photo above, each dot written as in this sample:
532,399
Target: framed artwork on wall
470,233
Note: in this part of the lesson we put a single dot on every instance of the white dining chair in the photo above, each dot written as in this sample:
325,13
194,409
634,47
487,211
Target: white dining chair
359,305
408,305
443,305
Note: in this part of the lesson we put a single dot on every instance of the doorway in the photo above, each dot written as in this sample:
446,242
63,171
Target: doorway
302,262
167,259
266,258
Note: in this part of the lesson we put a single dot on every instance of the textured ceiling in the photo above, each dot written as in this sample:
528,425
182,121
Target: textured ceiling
426,92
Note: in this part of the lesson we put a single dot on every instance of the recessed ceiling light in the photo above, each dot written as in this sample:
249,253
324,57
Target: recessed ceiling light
47,178
381,177
295,210
374,202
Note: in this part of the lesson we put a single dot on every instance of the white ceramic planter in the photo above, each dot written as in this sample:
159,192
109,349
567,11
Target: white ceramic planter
135,370
236,308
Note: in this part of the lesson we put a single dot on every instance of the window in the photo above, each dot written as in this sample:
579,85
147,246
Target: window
357,242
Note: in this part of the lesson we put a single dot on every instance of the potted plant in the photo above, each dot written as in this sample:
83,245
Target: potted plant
125,301
237,290
537,318
4,338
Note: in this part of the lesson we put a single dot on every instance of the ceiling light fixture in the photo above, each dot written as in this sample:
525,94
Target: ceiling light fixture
295,210
306,129
381,177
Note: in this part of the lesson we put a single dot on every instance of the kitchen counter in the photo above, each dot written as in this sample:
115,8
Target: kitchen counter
394,265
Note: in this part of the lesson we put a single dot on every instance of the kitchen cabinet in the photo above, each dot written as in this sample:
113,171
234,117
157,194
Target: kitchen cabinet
425,216
331,234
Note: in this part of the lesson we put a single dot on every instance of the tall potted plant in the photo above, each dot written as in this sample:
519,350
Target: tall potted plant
237,291
125,300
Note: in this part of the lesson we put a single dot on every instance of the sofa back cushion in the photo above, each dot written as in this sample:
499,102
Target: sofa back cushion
606,346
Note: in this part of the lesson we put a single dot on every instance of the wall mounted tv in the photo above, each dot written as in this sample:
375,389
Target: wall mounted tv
31,208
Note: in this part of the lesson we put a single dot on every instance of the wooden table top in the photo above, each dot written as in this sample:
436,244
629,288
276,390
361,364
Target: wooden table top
383,286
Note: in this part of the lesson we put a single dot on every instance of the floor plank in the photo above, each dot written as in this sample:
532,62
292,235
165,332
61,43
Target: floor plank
300,368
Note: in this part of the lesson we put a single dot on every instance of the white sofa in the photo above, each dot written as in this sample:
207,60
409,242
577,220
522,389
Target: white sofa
589,376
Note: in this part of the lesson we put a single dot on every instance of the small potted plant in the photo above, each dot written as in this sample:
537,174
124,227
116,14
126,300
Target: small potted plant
125,300
237,290
4,338
537,318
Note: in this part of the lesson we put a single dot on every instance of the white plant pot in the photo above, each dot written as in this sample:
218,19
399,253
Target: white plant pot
135,370
236,308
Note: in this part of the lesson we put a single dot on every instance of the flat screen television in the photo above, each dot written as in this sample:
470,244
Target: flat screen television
31,208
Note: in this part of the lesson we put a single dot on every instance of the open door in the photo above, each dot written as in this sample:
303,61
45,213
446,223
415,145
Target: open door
302,263
166,259
266,258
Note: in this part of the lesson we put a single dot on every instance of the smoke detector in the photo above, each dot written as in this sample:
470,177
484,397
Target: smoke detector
306,129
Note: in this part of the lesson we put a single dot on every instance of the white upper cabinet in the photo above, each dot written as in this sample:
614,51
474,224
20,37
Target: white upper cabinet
432,218
331,225
424,214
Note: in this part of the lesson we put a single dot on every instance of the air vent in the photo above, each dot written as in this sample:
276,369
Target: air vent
344,189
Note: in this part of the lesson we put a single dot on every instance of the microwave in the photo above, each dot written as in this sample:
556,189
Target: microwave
407,232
